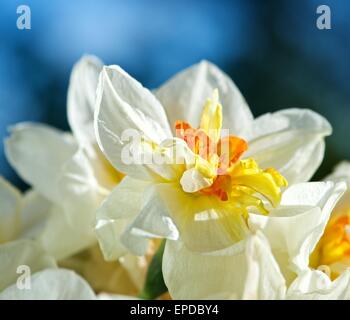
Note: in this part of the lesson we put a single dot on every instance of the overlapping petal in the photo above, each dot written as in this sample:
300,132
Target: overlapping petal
183,97
291,141
52,284
10,211
22,252
123,104
81,98
38,152
250,273
294,228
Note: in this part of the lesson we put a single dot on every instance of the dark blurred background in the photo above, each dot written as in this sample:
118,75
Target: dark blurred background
272,49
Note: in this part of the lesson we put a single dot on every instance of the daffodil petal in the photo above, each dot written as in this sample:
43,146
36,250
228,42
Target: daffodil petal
62,238
342,173
34,215
204,224
52,284
291,141
123,104
116,214
10,209
295,227
316,285
37,153
81,98
192,181
153,220
22,252
183,97
251,273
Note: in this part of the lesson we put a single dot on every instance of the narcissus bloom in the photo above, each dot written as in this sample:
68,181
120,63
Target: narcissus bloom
217,165
332,254
69,177
272,262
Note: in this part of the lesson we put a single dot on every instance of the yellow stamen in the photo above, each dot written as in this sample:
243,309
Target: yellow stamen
211,120
240,182
333,249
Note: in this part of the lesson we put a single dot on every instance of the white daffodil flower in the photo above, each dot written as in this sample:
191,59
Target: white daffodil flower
200,164
23,217
27,272
292,232
332,253
70,177
67,170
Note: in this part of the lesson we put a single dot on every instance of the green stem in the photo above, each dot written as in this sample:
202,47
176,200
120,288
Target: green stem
154,284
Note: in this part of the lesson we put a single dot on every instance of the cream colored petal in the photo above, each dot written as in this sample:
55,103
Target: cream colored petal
52,284
81,98
61,238
203,222
294,228
34,215
251,273
38,152
10,208
116,213
315,285
80,190
342,173
123,104
21,253
153,220
193,181
291,141
103,276
69,228
184,96
264,280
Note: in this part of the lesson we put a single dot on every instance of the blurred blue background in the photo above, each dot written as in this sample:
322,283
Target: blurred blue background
272,50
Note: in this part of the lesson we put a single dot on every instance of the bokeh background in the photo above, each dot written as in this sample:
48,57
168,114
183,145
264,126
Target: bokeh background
272,50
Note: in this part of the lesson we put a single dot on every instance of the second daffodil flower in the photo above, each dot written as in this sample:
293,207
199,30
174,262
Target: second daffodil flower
218,163
69,177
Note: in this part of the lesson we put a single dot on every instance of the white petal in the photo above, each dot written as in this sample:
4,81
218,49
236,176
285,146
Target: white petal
294,228
123,104
342,173
10,208
204,223
37,153
81,98
79,188
153,221
184,96
249,274
264,280
69,227
315,285
34,215
52,284
116,214
192,181
61,238
18,253
291,141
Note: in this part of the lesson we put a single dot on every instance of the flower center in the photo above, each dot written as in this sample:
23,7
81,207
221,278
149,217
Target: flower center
333,249
218,170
